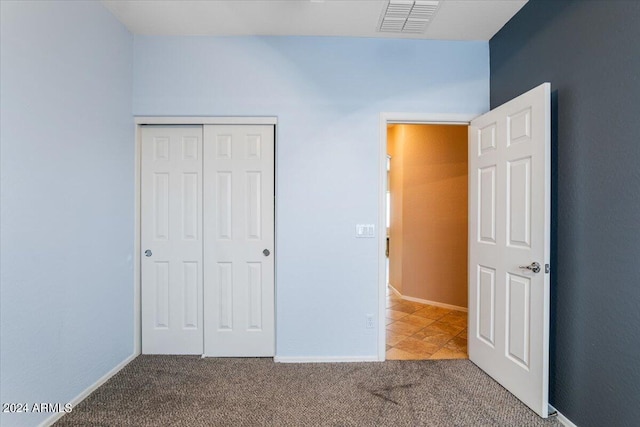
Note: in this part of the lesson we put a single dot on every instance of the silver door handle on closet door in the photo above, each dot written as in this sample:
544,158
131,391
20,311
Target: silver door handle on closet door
148,253
266,252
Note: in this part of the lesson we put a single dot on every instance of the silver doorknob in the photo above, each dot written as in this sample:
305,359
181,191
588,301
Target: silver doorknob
148,253
266,252
535,267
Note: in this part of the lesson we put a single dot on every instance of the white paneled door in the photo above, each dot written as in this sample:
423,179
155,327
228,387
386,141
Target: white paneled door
509,241
207,236
239,240
171,239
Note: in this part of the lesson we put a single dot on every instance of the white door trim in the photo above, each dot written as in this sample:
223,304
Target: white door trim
385,119
180,120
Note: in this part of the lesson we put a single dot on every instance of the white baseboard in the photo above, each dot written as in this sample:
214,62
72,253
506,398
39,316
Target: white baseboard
426,301
564,420
83,395
324,359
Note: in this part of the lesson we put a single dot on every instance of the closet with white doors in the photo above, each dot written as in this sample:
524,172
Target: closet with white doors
207,237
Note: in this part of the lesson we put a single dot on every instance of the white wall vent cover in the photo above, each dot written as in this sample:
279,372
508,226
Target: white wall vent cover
407,16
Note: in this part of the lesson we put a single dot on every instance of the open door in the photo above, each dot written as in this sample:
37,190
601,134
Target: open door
509,240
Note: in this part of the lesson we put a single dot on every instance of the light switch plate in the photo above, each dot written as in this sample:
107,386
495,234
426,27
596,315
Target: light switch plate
365,230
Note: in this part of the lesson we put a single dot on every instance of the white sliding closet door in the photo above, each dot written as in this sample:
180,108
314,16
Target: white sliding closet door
171,238
239,240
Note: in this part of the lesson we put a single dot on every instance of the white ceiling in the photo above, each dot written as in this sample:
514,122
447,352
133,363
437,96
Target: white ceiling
454,20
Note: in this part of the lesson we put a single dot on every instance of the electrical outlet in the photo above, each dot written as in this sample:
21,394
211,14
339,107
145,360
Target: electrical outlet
369,322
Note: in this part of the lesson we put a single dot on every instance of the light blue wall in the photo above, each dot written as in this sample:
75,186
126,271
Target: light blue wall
67,161
327,94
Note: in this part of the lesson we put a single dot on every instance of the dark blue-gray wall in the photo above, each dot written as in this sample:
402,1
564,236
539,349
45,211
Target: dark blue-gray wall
590,52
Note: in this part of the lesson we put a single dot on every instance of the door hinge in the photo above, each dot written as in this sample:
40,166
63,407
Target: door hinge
547,268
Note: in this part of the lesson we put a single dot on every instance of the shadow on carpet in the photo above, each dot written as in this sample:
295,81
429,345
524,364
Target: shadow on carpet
191,391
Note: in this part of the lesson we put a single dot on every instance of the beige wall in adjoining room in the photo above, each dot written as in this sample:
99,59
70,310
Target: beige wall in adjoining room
428,233
395,187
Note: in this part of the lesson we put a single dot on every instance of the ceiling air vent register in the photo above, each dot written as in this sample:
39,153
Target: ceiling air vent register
407,16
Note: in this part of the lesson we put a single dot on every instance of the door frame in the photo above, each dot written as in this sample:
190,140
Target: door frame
137,256
387,119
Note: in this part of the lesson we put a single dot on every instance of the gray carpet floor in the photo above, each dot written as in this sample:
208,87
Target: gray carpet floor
191,391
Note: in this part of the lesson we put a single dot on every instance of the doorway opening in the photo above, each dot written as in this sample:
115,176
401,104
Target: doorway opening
425,255
427,241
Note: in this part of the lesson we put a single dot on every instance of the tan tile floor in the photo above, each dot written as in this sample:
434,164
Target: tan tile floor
418,331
